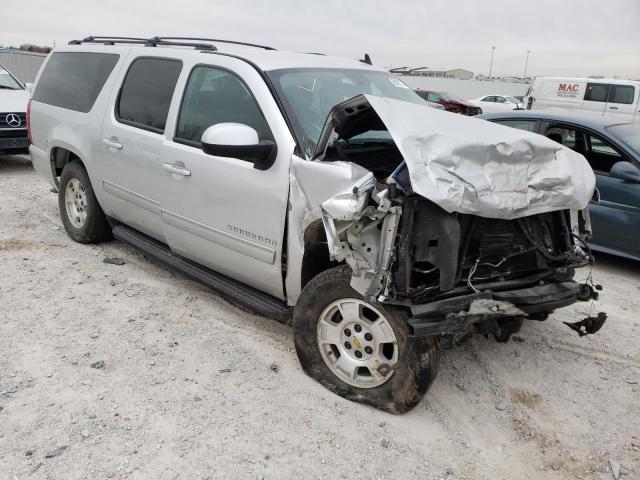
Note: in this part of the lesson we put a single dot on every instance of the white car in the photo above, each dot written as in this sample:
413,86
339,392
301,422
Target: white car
497,103
13,112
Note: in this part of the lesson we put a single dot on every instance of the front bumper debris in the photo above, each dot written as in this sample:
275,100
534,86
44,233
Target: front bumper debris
457,316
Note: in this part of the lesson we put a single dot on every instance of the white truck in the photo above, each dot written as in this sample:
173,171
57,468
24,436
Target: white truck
608,97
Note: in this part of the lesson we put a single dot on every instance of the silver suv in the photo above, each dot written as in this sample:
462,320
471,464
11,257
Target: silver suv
316,190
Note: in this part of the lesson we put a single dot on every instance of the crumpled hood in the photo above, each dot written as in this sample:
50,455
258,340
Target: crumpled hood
473,166
477,167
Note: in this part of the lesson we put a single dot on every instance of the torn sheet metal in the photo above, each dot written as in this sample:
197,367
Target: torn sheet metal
347,187
363,237
477,167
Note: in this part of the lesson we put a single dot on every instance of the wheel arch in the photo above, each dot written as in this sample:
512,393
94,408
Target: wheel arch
315,258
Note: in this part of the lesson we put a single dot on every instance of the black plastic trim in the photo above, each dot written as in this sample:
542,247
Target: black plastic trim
233,290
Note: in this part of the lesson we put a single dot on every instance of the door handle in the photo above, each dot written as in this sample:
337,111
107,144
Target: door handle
613,108
177,169
112,142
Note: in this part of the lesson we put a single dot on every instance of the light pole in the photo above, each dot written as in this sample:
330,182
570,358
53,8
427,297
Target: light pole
526,63
493,49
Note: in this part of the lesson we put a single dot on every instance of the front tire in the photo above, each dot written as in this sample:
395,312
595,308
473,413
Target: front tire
361,350
82,217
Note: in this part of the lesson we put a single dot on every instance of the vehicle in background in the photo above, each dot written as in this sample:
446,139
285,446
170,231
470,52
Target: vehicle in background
612,148
497,103
450,102
14,98
610,98
423,95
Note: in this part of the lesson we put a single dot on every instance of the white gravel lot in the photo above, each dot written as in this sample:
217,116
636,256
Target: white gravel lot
194,388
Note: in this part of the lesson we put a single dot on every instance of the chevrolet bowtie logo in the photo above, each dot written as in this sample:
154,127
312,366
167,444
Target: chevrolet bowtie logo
356,342
13,120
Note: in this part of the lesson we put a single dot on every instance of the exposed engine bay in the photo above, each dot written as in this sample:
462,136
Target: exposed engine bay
461,265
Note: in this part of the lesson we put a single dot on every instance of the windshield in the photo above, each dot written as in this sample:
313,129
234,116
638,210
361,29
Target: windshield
7,81
629,134
512,99
310,94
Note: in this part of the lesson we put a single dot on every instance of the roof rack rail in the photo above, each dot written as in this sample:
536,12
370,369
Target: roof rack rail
108,40
218,40
147,42
167,41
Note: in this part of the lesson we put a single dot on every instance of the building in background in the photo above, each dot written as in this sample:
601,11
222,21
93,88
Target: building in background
459,73
22,64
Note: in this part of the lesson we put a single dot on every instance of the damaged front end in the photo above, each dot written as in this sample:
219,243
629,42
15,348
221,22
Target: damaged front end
460,266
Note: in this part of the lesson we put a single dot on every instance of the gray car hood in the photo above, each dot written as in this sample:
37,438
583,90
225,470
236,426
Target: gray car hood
470,165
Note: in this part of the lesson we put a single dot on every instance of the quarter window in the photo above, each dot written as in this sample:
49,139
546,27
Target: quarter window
146,93
596,92
621,94
217,96
528,125
73,80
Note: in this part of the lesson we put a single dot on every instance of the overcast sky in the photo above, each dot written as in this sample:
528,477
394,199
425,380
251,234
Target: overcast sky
566,37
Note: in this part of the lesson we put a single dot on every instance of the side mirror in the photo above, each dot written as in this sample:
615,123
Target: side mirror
235,140
625,171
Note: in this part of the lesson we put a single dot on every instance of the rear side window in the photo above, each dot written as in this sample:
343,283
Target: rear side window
433,97
73,80
146,93
596,92
621,94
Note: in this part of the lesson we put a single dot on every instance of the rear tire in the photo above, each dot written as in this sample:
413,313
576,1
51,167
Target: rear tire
406,366
82,217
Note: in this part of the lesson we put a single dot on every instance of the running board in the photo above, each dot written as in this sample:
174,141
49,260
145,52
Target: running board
233,290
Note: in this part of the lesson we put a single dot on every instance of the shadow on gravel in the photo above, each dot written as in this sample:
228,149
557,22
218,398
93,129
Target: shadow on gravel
618,265
15,163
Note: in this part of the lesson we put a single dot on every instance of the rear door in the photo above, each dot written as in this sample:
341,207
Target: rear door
622,101
595,97
130,166
222,212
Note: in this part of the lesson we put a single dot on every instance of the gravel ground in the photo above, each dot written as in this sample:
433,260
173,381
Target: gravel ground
134,371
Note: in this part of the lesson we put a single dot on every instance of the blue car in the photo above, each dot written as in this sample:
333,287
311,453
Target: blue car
612,148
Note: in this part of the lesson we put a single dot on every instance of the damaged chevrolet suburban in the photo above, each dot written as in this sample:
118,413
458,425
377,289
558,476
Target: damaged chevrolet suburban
316,190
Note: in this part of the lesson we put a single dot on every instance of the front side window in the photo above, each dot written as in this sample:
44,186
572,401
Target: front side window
598,152
596,92
146,93
500,100
73,80
215,96
622,94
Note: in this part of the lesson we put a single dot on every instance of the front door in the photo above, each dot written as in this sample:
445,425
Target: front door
219,211
129,163
615,212
595,98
